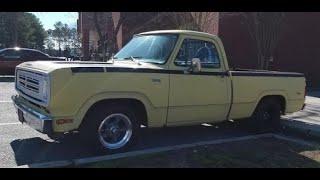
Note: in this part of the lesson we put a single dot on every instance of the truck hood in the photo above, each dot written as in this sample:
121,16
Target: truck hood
49,66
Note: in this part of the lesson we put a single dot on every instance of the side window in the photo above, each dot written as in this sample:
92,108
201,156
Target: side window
193,48
33,55
11,54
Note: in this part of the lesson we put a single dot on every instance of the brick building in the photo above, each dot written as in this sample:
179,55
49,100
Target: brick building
298,48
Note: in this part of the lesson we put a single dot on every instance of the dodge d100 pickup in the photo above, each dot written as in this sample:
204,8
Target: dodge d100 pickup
158,79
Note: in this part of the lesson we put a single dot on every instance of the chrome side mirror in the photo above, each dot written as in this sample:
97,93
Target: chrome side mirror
195,65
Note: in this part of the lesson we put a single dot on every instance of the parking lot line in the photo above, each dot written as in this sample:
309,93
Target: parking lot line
5,101
5,124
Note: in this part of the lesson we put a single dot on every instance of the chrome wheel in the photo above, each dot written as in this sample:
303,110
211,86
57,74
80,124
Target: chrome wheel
115,131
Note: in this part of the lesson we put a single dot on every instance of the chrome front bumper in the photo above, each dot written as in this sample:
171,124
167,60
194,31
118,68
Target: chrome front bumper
35,119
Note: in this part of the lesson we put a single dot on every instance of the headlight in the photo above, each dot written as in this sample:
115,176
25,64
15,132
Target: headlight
45,89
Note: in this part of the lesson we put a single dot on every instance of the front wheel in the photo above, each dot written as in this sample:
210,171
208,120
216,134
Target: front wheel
114,129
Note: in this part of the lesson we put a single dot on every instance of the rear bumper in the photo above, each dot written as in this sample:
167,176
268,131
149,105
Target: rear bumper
32,117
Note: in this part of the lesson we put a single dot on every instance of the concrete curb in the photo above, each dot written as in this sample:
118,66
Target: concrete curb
50,164
296,140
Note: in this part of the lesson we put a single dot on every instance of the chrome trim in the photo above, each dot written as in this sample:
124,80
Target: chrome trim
30,97
33,117
110,128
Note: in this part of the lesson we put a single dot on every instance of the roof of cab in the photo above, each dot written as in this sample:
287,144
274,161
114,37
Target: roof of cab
187,32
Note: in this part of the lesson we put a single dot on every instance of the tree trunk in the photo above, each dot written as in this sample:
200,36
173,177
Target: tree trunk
101,36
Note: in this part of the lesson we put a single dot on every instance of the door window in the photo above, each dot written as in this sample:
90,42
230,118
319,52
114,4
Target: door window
193,48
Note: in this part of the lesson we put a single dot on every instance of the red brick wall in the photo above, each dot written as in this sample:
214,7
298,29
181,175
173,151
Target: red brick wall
298,49
237,42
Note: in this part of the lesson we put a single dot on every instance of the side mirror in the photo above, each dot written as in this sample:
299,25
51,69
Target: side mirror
195,65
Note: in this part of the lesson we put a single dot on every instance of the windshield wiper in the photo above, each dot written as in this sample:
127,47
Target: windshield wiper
133,59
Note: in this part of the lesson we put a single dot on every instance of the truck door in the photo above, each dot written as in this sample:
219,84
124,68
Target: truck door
198,97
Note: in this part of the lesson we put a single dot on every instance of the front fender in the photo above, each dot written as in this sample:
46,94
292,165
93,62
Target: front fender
110,95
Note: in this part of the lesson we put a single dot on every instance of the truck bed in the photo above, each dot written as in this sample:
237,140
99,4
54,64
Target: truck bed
249,86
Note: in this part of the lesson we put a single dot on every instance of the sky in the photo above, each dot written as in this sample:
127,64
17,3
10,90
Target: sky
48,19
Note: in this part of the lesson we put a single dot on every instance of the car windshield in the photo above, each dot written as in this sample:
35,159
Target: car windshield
148,48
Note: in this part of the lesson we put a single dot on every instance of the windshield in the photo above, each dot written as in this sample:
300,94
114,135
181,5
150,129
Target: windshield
148,48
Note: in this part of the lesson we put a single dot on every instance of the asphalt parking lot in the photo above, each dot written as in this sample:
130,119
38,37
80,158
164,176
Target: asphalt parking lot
21,145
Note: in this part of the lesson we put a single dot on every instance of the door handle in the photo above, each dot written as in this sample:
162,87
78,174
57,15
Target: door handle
156,80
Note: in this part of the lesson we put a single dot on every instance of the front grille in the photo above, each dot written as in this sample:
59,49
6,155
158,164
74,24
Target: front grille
29,83
32,85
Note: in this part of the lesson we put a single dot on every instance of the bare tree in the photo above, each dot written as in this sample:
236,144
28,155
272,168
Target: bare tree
108,40
197,21
202,19
116,25
180,20
264,28
98,19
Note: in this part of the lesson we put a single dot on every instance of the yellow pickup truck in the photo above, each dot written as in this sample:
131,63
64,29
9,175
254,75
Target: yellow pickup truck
160,78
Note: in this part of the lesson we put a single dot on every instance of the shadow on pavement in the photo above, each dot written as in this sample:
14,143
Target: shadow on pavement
38,150
314,93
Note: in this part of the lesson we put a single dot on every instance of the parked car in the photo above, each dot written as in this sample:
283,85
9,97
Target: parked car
11,57
159,79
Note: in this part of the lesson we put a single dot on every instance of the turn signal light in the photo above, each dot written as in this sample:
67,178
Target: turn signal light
64,121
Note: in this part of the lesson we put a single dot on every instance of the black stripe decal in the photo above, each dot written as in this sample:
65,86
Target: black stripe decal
142,70
163,71
138,70
267,74
87,69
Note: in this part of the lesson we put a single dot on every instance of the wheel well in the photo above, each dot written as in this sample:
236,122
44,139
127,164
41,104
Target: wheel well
137,105
278,98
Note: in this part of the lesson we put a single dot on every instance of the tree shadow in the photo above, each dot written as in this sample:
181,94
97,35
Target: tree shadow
264,153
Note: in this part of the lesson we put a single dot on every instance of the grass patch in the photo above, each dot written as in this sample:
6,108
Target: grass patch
258,153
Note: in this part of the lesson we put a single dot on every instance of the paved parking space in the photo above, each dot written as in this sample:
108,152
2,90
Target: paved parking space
21,145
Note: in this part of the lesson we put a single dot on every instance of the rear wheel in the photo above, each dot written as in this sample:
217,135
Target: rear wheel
113,128
266,117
